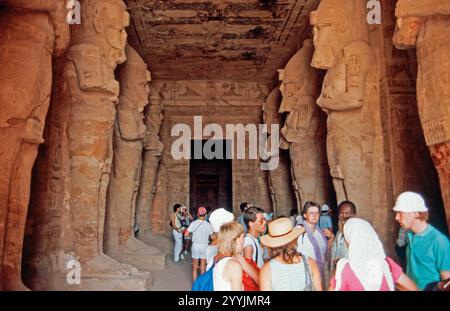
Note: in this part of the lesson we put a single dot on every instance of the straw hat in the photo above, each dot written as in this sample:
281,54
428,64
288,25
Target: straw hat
281,233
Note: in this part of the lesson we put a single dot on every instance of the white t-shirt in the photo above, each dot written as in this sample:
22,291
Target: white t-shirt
305,247
211,252
201,230
252,241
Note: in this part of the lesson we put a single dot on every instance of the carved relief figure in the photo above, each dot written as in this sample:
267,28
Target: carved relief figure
98,46
129,131
348,98
31,32
425,26
280,188
153,148
303,129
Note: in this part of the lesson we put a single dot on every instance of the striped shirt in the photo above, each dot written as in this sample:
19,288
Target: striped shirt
288,277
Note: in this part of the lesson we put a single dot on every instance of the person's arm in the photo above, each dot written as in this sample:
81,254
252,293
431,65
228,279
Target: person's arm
174,222
332,285
445,275
315,274
265,275
248,252
404,283
248,268
234,271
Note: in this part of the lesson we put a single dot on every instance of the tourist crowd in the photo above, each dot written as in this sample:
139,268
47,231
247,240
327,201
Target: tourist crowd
305,253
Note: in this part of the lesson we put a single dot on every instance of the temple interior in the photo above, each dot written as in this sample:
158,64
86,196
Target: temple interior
93,112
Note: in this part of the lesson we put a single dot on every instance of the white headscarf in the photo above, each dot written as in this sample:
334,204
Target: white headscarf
365,256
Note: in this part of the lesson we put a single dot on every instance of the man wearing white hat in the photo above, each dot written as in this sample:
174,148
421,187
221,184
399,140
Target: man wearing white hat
428,251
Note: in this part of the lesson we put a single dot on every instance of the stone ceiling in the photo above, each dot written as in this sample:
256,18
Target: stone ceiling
240,40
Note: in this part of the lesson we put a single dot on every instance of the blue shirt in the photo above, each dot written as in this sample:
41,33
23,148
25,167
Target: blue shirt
325,222
428,253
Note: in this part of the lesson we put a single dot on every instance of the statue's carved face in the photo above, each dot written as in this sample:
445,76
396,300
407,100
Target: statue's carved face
142,89
270,113
323,38
289,89
113,22
155,113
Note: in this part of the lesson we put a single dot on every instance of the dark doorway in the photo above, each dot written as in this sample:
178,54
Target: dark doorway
210,179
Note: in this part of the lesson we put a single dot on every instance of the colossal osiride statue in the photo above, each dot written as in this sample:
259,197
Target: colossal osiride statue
304,128
31,32
153,148
350,98
279,179
97,47
425,25
129,131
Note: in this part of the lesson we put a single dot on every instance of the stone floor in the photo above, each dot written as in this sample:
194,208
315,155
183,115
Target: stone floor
175,277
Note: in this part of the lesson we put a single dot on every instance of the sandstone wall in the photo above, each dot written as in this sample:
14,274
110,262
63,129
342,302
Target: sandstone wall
222,103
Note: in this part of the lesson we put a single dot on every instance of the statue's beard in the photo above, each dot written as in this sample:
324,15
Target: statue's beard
287,104
323,57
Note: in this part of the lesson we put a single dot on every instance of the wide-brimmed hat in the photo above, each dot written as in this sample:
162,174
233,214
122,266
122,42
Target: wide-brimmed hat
281,232
219,217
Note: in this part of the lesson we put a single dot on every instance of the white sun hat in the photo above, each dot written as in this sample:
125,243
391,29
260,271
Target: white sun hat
219,217
409,202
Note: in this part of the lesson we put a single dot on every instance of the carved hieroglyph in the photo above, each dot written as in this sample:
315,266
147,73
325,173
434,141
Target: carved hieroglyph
152,154
129,131
98,46
425,26
349,97
30,32
304,126
279,180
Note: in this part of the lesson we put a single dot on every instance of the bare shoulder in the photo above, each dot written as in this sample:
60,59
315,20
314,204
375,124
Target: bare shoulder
233,265
265,268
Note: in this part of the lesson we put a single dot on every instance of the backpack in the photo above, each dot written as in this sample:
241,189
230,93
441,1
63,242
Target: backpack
204,283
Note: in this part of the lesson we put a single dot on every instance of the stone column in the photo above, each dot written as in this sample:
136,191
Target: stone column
425,26
129,131
351,100
279,180
304,127
30,33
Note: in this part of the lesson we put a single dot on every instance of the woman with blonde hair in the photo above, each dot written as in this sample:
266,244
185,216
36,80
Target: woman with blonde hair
227,275
287,270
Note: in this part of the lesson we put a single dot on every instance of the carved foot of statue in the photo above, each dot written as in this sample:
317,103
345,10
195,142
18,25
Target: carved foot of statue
122,265
135,247
105,266
141,247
